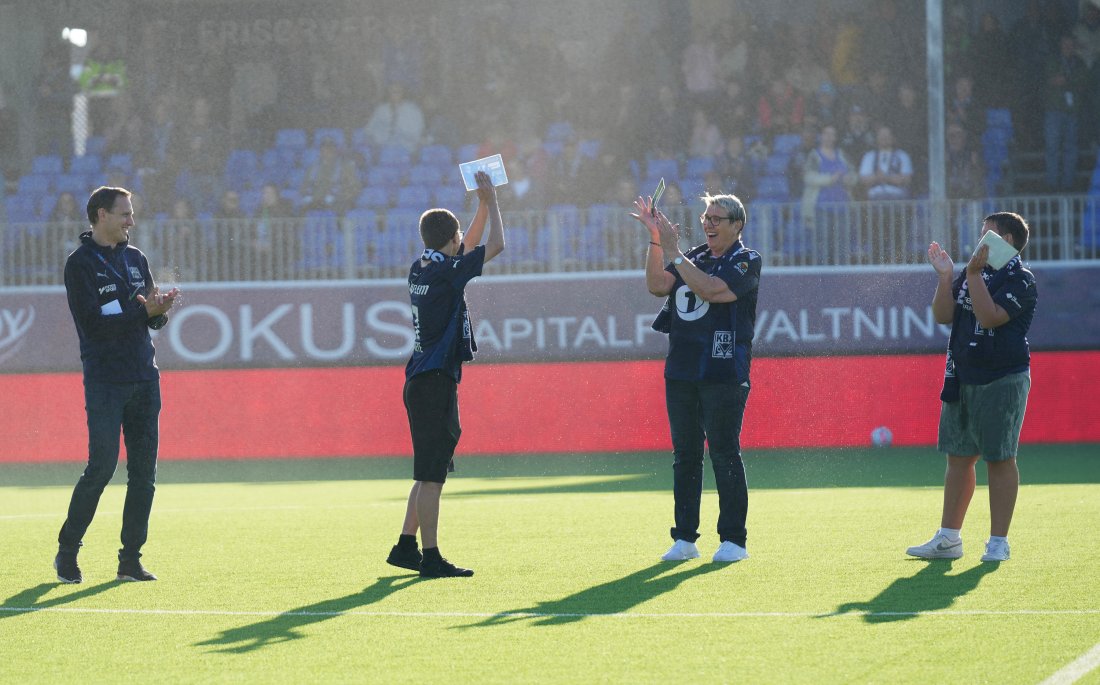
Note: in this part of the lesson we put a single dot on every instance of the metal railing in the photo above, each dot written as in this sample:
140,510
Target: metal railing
363,244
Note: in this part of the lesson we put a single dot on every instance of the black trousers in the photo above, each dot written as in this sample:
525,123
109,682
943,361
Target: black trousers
711,413
133,409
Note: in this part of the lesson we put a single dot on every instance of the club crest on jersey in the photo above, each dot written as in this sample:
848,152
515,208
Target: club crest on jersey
723,345
135,272
742,267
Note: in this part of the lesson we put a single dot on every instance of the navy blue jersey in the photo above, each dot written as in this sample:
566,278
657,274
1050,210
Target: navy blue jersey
981,355
441,319
709,341
102,285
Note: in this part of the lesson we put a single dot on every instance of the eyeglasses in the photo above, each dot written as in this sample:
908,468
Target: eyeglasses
712,220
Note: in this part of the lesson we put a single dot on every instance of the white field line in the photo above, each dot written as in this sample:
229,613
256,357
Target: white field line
205,510
540,615
1076,669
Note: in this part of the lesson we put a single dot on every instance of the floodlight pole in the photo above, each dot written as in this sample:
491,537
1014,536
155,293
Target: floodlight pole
937,167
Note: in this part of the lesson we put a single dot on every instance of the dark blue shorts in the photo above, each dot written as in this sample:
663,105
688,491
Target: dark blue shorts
431,402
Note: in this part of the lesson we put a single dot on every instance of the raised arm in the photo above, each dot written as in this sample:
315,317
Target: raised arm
943,303
487,208
658,281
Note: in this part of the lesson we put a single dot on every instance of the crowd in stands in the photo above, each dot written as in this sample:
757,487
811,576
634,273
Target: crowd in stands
821,109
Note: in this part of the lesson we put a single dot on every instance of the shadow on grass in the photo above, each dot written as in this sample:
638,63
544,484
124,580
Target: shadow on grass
31,599
614,597
929,589
285,626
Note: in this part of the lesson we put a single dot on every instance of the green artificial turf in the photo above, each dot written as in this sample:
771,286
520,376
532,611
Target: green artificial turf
274,572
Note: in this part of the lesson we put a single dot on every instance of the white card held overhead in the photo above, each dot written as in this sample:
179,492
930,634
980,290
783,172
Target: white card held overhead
493,165
1000,250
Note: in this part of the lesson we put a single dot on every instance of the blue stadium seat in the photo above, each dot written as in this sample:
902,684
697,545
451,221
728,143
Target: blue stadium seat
47,164
385,176
46,203
86,164
590,147
123,161
293,138
334,134
373,197
1090,225
393,155
559,131
467,153
425,174
553,148
242,169
359,137
412,197
321,241
450,196
776,164
604,215
250,201
438,155
77,184
22,208
669,169
775,188
698,167
34,184
998,118
786,144
95,145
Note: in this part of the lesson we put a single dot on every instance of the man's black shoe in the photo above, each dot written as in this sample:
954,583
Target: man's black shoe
441,568
405,557
67,569
131,569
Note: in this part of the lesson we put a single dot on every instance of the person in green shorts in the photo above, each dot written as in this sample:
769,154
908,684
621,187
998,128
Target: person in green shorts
986,384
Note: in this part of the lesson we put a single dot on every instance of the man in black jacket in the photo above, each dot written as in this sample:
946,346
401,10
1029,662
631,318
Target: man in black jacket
114,303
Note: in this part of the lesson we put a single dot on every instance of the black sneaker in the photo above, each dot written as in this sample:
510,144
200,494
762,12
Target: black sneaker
67,569
441,568
405,557
131,569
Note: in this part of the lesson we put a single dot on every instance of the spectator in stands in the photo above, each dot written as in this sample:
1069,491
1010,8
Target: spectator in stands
331,182
699,64
828,176
858,136
182,239
909,122
200,149
1039,29
780,109
709,314
523,190
705,137
269,222
735,168
990,52
962,108
806,73
886,172
53,111
397,121
796,163
1087,35
67,210
229,207
668,135
736,116
965,171
824,106
1066,80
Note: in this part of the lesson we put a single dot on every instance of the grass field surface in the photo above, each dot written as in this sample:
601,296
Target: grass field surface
274,572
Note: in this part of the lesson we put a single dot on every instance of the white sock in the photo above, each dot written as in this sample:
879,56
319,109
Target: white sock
998,538
951,534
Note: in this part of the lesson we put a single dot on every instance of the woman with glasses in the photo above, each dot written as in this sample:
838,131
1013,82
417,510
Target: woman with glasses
709,316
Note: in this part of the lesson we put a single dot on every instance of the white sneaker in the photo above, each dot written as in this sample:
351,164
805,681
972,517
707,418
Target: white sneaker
939,547
681,550
996,550
729,551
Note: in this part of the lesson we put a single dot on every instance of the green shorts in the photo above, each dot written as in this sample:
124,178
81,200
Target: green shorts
986,420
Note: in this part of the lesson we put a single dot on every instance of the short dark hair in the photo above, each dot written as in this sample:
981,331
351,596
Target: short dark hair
437,227
103,197
1012,224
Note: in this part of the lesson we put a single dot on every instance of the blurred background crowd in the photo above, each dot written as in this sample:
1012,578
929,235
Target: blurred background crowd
231,110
